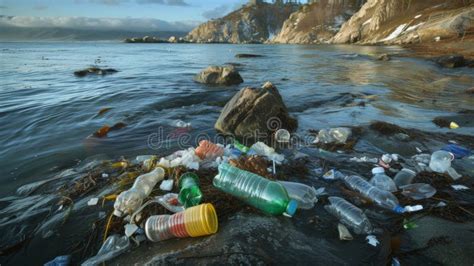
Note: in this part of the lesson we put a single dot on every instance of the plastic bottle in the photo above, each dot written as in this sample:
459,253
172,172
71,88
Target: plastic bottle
418,191
382,198
382,181
112,247
282,136
404,177
209,150
338,135
441,161
305,195
241,147
349,215
170,202
269,196
263,149
129,201
189,194
196,221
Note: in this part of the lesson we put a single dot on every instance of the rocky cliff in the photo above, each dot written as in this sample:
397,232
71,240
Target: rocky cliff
250,24
317,22
408,21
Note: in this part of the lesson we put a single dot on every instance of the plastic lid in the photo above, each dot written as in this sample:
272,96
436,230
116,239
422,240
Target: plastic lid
291,208
378,170
399,209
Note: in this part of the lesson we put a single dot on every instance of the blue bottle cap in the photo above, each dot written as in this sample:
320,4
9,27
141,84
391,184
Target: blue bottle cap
291,208
399,209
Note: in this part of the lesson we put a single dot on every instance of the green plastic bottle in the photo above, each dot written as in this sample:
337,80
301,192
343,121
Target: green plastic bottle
269,196
189,195
241,147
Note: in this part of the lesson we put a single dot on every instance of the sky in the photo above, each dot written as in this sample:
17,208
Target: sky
163,14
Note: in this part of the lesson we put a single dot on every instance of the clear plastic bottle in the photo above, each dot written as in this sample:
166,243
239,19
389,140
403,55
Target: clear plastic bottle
382,181
305,195
382,198
337,135
190,194
441,161
349,215
269,196
129,201
404,177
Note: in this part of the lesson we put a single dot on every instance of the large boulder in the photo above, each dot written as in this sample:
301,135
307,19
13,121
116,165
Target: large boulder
219,75
255,113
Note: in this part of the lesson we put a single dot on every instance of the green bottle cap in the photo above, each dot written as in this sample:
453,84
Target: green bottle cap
291,208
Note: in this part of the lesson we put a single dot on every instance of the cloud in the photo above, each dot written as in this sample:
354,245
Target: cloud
40,7
85,23
217,12
157,2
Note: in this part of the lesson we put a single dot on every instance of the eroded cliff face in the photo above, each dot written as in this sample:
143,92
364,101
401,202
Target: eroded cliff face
250,24
408,21
317,22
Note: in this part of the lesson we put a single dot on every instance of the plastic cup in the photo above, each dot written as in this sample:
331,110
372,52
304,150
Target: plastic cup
157,229
201,220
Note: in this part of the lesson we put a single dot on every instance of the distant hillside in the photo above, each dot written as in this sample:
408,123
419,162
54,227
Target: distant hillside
63,34
250,24
317,22
408,21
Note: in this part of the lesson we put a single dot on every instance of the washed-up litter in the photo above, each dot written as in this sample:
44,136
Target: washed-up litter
333,175
453,125
189,194
382,198
129,201
382,181
282,136
181,124
413,208
130,229
459,187
112,247
404,177
93,202
364,159
262,149
372,240
459,152
234,181
306,196
171,202
409,224
59,261
418,191
196,221
344,233
167,185
349,215
333,135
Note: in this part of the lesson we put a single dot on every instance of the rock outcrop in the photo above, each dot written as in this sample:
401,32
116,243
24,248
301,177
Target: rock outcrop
255,113
408,21
219,75
250,24
317,22
94,71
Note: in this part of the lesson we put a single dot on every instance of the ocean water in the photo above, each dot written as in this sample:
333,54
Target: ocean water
47,114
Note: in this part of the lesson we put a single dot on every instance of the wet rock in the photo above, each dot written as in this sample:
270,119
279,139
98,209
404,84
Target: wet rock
225,75
452,61
384,57
470,91
255,111
94,71
248,55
